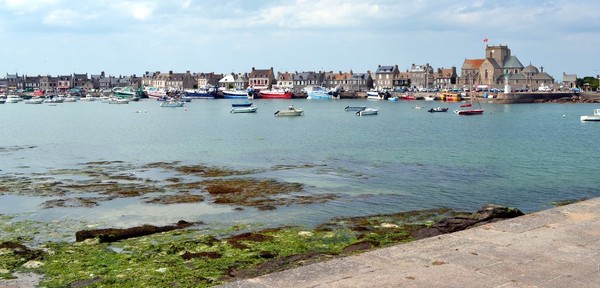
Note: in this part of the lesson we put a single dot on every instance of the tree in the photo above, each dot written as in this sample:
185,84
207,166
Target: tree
592,81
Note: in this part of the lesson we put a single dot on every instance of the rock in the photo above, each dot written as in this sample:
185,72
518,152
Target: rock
113,234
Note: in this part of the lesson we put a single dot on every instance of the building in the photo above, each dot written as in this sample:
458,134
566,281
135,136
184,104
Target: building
261,78
203,80
285,80
421,76
386,77
500,68
445,78
569,80
305,79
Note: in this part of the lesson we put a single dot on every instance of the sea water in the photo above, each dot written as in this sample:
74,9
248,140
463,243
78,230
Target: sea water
519,155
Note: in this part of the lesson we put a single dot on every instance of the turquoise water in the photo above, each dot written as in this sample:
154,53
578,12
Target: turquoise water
524,155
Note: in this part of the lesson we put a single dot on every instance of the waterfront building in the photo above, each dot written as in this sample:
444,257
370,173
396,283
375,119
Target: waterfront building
63,83
359,82
241,81
386,77
342,79
445,78
202,80
233,81
421,76
32,82
285,80
499,68
95,79
569,80
80,80
261,78
310,78
15,82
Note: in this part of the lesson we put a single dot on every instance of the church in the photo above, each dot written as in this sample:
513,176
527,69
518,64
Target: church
500,68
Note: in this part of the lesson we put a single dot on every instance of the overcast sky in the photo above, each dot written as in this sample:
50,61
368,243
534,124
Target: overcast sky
131,37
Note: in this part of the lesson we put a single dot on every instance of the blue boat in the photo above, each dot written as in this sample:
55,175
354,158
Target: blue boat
321,93
201,93
235,94
245,104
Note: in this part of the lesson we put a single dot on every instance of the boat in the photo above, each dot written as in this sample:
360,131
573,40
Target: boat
155,93
70,98
408,97
367,111
291,111
275,93
595,117
123,92
235,94
184,98
450,96
245,104
320,92
34,100
429,98
249,109
12,98
2,100
417,107
355,108
172,103
438,109
468,110
393,99
201,93
115,100
374,95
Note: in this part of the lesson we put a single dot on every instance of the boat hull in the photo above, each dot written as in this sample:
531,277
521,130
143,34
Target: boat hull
289,113
200,95
469,112
235,94
251,109
590,118
367,112
275,95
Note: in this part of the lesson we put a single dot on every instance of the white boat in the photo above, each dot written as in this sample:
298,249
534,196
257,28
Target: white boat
118,101
235,94
291,111
70,99
374,95
250,109
34,101
319,92
367,111
172,104
11,98
595,117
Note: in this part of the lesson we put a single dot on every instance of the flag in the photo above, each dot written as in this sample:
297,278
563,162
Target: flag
485,40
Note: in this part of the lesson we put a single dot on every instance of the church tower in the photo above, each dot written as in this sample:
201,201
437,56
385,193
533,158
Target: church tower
498,53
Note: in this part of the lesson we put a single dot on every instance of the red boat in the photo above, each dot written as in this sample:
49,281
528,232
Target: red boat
276,94
468,111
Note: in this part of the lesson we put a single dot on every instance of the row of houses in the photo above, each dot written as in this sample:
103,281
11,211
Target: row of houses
497,69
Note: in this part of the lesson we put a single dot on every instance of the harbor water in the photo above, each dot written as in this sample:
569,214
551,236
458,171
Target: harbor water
519,155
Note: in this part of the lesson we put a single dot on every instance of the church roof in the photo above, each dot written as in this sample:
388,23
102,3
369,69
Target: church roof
472,63
512,62
531,69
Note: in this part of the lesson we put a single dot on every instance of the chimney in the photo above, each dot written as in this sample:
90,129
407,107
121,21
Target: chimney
170,72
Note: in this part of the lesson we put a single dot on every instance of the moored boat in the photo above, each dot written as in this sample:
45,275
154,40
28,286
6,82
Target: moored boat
235,94
291,111
245,104
450,97
12,98
276,93
118,101
467,110
438,109
355,108
201,93
249,109
34,100
172,103
595,117
367,111
320,92
123,92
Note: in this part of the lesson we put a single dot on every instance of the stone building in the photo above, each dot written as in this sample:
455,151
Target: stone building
285,80
311,78
386,77
445,78
421,76
500,68
261,78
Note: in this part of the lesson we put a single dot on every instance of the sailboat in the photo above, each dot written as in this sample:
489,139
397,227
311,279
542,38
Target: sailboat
467,109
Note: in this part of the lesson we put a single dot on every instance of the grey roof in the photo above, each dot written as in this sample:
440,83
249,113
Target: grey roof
517,77
542,76
531,69
569,77
384,69
512,62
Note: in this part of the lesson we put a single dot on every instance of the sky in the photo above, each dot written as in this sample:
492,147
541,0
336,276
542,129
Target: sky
61,37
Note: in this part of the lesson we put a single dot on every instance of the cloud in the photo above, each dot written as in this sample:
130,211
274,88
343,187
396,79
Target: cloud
66,18
137,9
28,6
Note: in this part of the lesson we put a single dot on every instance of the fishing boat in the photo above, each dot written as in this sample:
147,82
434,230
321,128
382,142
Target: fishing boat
320,92
155,93
595,117
123,92
438,109
249,109
276,93
367,111
355,108
374,95
172,103
291,111
201,93
235,94
450,97
12,98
